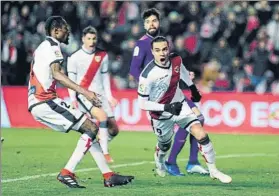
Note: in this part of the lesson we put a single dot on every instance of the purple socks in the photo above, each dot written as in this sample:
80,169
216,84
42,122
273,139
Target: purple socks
179,141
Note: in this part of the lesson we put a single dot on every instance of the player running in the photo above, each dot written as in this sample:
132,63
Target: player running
47,108
159,93
88,67
141,57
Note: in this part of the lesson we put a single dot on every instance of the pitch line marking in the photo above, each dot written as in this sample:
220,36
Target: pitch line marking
131,165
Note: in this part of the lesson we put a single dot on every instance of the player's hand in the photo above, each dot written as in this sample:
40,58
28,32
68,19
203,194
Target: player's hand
196,96
94,98
173,108
113,102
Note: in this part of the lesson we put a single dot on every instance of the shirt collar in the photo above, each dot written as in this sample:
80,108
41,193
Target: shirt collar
163,67
149,36
87,51
55,40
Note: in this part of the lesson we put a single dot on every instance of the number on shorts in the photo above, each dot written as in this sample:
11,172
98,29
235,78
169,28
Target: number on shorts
159,131
65,104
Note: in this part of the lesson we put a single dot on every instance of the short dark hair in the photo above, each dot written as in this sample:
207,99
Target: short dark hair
150,12
159,39
54,22
90,29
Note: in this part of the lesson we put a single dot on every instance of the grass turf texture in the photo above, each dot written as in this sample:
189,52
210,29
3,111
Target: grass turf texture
252,161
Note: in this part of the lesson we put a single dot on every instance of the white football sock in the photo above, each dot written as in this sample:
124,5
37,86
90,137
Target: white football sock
160,154
83,145
103,139
208,154
99,158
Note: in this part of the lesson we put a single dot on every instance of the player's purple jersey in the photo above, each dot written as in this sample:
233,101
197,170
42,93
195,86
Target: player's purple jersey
142,55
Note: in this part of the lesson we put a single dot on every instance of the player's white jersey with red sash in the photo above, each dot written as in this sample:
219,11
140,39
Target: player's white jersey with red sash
161,84
88,68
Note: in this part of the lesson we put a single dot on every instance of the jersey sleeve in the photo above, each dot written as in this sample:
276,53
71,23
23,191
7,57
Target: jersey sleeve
185,75
55,54
72,74
106,77
71,66
144,89
105,64
137,60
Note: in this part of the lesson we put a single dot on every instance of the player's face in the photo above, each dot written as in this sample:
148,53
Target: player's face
151,25
90,41
63,34
160,51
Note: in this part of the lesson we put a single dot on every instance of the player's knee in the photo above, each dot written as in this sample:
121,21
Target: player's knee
197,131
90,134
165,146
113,128
205,140
89,126
99,114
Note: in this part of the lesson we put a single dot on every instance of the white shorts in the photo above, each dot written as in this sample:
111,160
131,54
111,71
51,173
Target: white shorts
85,105
58,115
164,129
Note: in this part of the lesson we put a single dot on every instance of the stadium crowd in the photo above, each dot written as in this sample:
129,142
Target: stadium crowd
231,46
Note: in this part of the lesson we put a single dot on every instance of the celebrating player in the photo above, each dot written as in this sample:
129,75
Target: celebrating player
141,57
88,67
159,93
47,108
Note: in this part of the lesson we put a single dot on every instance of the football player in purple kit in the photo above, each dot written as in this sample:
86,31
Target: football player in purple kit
141,57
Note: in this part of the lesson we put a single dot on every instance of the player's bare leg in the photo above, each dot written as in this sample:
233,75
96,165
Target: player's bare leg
101,116
89,130
112,133
87,142
207,151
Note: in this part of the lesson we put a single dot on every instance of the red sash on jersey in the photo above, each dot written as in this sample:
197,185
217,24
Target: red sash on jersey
169,94
93,68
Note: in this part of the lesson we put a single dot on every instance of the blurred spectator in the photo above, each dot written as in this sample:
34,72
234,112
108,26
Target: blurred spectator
229,45
191,13
90,18
259,61
273,30
8,61
209,28
222,53
264,11
192,44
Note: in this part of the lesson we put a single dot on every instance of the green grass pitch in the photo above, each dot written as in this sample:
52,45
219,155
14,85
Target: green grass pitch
31,159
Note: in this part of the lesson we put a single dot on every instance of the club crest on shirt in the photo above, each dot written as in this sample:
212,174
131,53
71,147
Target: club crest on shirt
141,88
176,69
97,59
58,53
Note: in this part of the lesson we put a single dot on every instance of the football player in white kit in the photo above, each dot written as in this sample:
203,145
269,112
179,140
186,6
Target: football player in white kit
88,67
159,93
47,108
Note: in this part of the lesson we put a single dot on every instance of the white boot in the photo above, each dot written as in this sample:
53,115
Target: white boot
216,174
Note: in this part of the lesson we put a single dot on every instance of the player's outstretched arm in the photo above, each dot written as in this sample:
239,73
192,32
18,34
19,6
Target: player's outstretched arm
65,81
